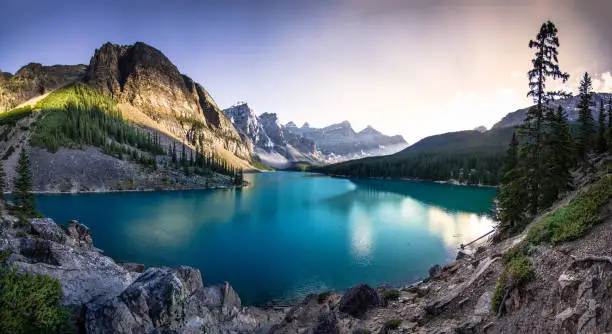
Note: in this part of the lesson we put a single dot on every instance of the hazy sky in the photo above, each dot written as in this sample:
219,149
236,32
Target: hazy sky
415,68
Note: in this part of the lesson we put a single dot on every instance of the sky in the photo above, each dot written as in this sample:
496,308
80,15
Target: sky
414,68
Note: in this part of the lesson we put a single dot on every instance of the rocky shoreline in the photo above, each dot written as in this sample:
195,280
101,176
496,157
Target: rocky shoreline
568,295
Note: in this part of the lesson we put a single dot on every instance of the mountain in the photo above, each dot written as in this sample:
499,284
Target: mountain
271,141
34,80
339,142
142,77
280,145
129,118
471,156
570,106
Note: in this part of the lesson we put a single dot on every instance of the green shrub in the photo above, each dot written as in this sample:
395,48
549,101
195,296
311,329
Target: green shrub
322,297
391,294
393,324
574,220
518,271
15,115
4,255
30,303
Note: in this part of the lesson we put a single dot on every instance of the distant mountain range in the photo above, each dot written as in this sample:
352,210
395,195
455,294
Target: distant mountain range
472,156
278,145
570,106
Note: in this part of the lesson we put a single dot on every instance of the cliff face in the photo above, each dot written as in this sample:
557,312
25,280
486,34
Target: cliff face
35,79
294,147
274,144
143,77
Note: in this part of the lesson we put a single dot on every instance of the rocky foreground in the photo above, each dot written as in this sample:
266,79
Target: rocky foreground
570,293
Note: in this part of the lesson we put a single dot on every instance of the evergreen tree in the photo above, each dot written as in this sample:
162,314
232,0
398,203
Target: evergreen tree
545,65
601,129
585,119
183,156
24,199
511,194
557,155
609,131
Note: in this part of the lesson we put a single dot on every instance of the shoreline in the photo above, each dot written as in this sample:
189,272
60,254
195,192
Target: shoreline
451,182
47,192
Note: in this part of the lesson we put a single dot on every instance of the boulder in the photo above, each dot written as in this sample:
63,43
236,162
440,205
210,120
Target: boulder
327,323
171,300
483,305
84,274
462,254
47,229
435,271
79,236
359,299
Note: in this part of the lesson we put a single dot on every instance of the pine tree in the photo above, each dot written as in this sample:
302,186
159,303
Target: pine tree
609,131
183,156
511,194
24,199
601,129
557,155
585,119
545,65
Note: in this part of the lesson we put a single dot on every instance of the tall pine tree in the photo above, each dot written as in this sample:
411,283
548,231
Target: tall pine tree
545,65
601,129
586,128
609,131
557,156
24,198
511,194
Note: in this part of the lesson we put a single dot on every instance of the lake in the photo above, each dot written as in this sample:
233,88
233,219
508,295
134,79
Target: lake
287,234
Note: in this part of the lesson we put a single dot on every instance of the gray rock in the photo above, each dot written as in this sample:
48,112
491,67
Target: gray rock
359,299
173,300
327,324
133,267
79,236
435,271
483,305
67,256
47,229
462,254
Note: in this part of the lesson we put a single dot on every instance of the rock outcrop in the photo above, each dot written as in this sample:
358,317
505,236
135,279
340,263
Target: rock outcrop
35,79
107,297
359,299
143,77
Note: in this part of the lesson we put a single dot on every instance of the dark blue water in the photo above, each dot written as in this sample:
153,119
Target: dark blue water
287,234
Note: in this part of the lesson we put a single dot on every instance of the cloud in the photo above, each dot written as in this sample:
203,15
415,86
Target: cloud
602,82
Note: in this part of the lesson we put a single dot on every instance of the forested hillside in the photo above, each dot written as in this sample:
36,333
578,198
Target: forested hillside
468,157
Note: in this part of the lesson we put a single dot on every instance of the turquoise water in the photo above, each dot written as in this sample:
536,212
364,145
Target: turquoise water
288,234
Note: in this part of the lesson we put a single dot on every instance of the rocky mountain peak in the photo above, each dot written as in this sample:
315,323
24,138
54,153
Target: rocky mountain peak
145,78
291,125
369,131
35,79
306,126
